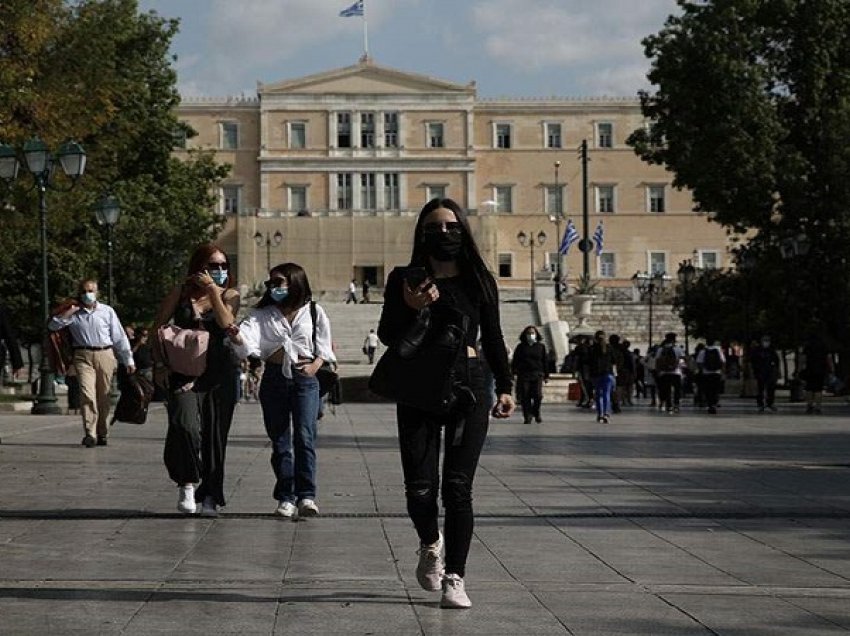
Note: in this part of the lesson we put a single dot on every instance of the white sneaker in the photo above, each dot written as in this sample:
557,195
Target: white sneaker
454,596
429,571
186,499
209,508
308,508
286,509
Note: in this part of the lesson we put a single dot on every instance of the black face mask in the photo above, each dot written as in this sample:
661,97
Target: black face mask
443,246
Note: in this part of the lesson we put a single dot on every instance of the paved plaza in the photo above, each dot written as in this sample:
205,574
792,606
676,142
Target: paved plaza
691,524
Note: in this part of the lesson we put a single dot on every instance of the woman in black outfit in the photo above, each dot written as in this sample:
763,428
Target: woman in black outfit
530,366
200,409
458,281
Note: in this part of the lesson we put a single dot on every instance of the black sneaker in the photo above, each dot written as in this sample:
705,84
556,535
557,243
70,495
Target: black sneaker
88,441
101,440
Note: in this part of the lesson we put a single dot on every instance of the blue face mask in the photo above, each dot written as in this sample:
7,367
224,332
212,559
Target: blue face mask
89,298
219,277
279,294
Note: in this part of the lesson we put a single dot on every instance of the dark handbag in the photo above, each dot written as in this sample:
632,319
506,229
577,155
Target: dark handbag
419,370
327,377
136,394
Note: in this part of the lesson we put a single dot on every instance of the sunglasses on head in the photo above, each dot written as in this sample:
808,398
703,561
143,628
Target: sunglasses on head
436,227
221,266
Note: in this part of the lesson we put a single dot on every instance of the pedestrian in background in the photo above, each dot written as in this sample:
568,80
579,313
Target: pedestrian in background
352,292
365,289
764,361
530,366
370,345
603,366
143,353
668,363
9,346
711,361
97,338
200,409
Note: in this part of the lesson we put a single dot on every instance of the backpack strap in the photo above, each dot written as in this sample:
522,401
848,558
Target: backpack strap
313,317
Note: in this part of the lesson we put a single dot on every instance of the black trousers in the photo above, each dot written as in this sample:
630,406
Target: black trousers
669,389
531,395
198,425
711,383
765,392
419,435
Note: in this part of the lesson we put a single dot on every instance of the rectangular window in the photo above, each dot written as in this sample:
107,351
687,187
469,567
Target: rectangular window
607,265
391,130
657,262
506,265
298,199
368,193
297,134
605,135
343,130
229,135
230,199
655,195
344,193
179,135
435,135
553,135
555,199
392,198
605,199
503,136
367,130
503,199
435,192
709,260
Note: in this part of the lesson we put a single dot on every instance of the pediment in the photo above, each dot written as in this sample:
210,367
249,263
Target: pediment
365,78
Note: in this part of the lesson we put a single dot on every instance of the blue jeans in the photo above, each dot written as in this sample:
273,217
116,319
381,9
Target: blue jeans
290,412
603,385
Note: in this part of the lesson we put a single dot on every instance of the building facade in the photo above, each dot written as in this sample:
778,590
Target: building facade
330,170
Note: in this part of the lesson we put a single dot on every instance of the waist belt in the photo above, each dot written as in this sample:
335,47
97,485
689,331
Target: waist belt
93,348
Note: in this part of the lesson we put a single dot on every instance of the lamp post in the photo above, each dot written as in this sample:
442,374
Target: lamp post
107,213
585,244
529,240
649,286
40,164
557,216
686,274
273,239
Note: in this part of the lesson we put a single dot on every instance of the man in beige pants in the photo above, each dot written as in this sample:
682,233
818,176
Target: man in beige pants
98,337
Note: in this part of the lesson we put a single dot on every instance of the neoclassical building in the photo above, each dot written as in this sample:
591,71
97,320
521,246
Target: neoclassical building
329,171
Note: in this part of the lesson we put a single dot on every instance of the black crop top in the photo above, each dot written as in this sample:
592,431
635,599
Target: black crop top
397,317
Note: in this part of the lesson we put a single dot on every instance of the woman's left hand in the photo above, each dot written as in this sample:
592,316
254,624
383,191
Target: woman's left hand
504,406
204,280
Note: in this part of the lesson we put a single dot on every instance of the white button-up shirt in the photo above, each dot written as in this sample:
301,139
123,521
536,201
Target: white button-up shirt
96,326
266,330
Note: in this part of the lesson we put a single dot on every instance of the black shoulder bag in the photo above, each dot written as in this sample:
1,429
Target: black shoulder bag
327,377
419,370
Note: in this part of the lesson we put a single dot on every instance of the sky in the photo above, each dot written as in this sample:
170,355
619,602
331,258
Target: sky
510,48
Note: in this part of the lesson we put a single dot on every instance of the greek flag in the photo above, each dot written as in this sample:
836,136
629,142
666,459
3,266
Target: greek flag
570,237
354,10
597,238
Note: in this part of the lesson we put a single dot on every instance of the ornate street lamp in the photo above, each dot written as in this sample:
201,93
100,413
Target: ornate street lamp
274,239
529,240
40,163
686,275
107,213
649,286
556,216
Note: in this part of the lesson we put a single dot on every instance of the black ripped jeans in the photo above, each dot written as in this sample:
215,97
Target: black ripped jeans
419,440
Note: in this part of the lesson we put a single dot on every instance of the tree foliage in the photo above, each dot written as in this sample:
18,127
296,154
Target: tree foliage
751,112
99,72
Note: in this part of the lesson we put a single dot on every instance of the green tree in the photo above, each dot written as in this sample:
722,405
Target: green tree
98,71
751,112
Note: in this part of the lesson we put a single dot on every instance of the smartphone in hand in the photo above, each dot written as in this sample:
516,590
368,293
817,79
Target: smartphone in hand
415,276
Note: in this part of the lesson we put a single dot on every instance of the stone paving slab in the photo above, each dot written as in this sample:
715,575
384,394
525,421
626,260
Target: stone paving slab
735,524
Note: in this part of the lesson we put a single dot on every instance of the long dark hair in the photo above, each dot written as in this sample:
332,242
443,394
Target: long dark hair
473,270
299,287
201,256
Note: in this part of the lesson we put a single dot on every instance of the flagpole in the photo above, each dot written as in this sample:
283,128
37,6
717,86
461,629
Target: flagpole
365,35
